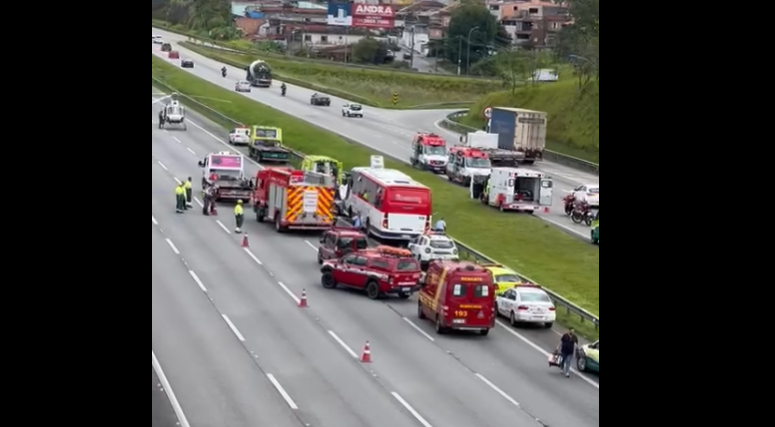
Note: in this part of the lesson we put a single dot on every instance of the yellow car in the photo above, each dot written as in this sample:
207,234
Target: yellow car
504,278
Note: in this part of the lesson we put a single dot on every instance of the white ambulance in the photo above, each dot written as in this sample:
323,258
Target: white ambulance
524,190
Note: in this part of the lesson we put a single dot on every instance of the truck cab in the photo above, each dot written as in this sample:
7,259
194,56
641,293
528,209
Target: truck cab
324,165
523,190
429,152
226,169
465,164
457,295
266,145
340,241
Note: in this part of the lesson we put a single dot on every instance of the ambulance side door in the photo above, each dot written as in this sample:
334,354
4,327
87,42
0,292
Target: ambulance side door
547,191
415,154
451,164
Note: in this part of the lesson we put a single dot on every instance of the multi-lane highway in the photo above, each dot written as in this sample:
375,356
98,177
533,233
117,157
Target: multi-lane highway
387,131
238,351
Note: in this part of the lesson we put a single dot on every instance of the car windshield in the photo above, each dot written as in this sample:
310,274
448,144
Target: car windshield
508,278
442,244
346,242
534,297
355,107
594,190
409,264
435,150
477,163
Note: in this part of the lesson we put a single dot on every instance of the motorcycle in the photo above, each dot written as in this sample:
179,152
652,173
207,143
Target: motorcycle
582,212
282,91
223,72
568,202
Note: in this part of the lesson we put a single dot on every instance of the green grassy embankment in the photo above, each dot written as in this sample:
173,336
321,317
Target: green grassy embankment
370,86
563,263
574,115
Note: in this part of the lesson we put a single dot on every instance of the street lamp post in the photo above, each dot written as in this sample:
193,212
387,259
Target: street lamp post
459,52
468,52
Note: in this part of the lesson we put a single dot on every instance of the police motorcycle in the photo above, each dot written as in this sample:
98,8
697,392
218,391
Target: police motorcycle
223,71
283,88
172,113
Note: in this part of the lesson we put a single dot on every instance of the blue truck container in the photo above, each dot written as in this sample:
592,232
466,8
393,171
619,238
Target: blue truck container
520,130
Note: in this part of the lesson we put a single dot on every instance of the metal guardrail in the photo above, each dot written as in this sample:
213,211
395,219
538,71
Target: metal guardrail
583,165
465,251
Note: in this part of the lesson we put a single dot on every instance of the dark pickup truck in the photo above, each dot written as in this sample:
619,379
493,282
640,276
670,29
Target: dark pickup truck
268,151
317,99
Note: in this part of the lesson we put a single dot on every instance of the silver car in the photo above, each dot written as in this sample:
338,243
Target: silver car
242,86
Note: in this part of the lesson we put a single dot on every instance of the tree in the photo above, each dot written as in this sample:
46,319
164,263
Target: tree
474,20
369,51
580,42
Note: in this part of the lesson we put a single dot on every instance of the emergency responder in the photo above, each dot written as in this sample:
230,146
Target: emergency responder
189,192
477,188
161,119
441,226
239,216
180,198
207,199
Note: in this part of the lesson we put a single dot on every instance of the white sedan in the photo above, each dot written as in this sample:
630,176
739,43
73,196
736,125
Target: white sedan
526,304
590,193
157,39
239,136
243,86
432,246
352,110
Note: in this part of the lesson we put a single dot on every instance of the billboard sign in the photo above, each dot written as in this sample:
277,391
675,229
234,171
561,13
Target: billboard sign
373,15
339,14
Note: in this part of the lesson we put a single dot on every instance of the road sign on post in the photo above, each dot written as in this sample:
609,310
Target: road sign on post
395,98
487,113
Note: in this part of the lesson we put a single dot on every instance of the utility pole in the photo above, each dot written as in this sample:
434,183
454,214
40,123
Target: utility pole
346,41
411,51
459,52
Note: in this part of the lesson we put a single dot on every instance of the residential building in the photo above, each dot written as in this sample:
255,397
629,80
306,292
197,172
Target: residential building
423,22
532,23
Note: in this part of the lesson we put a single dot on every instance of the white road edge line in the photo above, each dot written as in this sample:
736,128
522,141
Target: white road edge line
173,247
343,344
153,220
497,389
233,328
417,328
289,292
411,410
314,248
508,329
197,280
218,221
191,151
250,254
281,390
163,166
168,390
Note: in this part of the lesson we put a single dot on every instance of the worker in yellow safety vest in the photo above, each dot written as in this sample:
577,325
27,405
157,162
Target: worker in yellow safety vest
189,192
180,198
239,216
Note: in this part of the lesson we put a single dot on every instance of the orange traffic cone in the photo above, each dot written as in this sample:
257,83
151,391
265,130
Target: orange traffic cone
245,242
366,355
303,299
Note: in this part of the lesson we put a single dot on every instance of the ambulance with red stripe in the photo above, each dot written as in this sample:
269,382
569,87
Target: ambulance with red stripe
391,205
293,199
457,295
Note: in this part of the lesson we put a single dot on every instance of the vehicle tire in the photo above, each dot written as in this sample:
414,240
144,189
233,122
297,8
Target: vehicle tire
512,319
581,364
548,325
259,158
530,212
420,313
484,332
372,289
277,226
320,259
441,330
259,215
327,280
350,212
367,224
576,217
342,113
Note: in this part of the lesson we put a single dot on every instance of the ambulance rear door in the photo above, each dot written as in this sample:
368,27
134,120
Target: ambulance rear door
547,191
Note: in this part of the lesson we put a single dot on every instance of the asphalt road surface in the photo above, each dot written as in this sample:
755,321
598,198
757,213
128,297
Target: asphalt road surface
387,131
236,347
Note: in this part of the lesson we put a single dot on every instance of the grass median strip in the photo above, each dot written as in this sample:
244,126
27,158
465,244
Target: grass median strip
563,263
369,86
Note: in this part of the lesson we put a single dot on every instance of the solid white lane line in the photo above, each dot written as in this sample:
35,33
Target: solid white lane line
417,328
233,328
343,344
281,390
411,410
168,389
173,247
197,280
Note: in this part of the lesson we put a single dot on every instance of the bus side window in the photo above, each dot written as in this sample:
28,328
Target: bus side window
357,183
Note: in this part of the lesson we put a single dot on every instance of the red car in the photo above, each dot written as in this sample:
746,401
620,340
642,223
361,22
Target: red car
380,271
340,241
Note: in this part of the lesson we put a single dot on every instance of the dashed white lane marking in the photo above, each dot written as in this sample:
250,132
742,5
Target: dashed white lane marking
289,292
172,246
497,389
199,202
177,140
411,410
281,390
197,280
253,257
233,328
163,166
418,329
222,226
191,151
343,344
315,248
153,220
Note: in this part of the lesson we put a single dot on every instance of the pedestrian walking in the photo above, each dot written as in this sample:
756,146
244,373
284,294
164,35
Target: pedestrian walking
189,192
568,343
239,216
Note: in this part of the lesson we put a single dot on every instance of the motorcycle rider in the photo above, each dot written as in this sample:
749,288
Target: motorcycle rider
223,71
283,88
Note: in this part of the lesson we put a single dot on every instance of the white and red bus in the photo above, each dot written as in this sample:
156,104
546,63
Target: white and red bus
391,204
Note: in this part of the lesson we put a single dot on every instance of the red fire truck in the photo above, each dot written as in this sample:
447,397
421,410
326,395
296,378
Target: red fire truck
293,199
